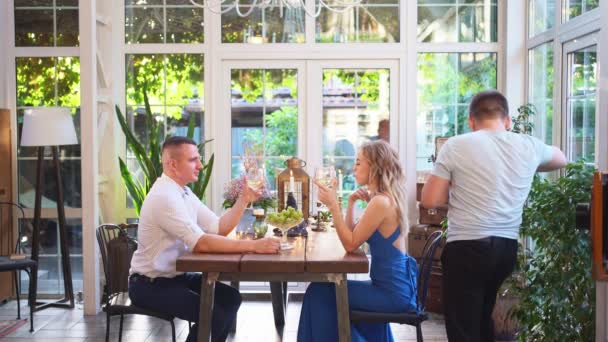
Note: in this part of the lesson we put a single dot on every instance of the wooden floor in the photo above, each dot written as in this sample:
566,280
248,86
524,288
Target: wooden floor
255,323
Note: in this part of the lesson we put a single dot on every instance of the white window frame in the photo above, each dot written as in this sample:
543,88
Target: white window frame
568,48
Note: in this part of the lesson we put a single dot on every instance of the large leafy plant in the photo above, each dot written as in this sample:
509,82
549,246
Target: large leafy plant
149,158
557,302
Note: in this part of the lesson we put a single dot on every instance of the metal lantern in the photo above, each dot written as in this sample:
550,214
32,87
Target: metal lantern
301,190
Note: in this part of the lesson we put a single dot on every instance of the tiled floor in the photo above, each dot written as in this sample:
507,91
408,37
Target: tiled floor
255,323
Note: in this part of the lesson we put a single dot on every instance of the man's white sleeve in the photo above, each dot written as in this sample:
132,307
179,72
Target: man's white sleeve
207,219
176,222
443,167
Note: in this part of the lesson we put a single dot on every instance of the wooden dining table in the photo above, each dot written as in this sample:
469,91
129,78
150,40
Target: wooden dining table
320,257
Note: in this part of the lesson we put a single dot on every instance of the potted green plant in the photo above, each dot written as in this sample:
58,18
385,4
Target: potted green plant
149,157
557,302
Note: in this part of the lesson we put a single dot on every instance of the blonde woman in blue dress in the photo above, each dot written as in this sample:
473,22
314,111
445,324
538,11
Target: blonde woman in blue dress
383,226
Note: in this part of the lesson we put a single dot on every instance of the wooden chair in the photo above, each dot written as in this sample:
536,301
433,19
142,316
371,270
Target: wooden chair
117,249
14,265
414,318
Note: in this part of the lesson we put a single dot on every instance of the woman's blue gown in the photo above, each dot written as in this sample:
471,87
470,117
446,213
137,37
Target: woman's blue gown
392,288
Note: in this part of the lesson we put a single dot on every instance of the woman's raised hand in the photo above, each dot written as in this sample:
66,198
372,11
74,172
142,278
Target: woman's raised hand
360,194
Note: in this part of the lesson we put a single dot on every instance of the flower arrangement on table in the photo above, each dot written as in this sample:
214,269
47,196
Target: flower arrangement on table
233,189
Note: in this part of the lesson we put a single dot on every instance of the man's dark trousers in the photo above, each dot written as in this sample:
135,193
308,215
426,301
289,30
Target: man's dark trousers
473,271
180,297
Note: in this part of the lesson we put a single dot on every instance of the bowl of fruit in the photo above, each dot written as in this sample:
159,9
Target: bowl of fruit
286,219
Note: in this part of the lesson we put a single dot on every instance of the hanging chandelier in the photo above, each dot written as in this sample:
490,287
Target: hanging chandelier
224,6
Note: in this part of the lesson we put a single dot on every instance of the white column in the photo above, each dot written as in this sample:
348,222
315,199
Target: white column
513,65
88,145
601,151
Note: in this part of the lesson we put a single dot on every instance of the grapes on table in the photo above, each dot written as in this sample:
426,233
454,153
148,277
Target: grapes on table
285,217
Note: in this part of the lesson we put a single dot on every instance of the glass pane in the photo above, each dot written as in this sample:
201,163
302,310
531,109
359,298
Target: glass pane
264,115
185,25
450,21
70,179
48,81
144,25
477,24
446,83
542,16
582,92
67,3
540,89
366,23
578,7
175,89
50,275
36,79
34,27
148,70
67,27
33,3
268,25
68,81
356,109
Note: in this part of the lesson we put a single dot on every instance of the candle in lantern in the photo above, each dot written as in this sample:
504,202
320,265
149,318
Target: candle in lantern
340,181
291,182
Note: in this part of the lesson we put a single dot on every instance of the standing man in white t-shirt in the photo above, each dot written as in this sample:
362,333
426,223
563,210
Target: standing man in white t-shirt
174,221
484,177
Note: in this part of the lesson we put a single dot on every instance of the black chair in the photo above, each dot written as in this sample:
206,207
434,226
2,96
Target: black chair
8,264
117,247
414,318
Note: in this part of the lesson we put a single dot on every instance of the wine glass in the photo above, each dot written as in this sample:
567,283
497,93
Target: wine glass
324,175
255,178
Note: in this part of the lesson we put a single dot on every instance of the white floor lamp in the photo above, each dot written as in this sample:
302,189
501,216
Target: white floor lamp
50,126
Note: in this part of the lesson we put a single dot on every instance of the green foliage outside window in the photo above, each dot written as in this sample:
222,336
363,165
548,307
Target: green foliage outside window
171,80
280,139
48,81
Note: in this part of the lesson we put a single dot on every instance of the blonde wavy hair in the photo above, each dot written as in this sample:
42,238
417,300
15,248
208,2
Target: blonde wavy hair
386,173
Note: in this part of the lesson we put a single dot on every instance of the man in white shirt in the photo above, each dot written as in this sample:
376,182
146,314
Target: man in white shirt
173,221
487,175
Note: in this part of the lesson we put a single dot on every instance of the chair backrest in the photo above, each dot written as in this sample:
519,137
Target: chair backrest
426,264
7,210
116,249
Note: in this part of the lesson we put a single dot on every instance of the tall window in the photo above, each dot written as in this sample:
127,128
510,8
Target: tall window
355,101
448,79
41,82
264,112
446,83
175,90
575,112
581,103
540,88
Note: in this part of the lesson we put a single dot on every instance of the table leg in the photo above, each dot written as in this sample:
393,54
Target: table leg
206,307
278,306
236,285
343,310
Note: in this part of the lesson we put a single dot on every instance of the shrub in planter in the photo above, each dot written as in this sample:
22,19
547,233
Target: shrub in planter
557,302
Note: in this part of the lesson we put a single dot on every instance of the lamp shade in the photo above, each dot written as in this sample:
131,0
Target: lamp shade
48,126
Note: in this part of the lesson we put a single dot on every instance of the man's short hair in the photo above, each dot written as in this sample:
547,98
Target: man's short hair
488,104
176,141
